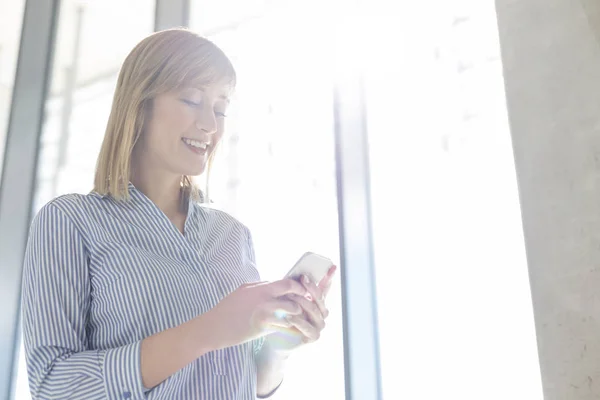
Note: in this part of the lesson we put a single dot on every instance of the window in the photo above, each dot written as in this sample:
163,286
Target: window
455,308
87,60
11,17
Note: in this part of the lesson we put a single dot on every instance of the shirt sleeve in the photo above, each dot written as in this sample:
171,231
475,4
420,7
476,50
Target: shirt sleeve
55,304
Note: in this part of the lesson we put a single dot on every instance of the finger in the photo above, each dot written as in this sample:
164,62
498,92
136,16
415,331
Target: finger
254,284
304,327
285,287
274,322
316,293
325,283
314,314
281,307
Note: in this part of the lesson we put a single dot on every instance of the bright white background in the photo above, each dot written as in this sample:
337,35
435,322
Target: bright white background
455,311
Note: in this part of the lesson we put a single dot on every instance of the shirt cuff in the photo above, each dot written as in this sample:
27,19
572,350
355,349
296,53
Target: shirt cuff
122,372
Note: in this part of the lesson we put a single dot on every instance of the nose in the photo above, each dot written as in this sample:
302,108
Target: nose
206,122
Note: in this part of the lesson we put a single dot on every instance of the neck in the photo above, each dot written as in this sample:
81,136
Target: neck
162,188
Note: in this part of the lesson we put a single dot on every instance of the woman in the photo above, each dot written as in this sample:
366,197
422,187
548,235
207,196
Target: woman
135,291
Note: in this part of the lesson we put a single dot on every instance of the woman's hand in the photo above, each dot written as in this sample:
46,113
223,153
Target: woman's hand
306,326
251,311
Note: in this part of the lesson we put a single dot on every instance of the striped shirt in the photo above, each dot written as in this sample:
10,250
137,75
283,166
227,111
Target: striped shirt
100,275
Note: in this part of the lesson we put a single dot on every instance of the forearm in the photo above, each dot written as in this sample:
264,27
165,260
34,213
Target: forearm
270,367
167,352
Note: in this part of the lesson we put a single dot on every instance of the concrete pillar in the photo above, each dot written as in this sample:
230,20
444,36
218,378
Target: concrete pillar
551,58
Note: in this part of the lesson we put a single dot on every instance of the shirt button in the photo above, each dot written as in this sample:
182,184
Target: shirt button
126,395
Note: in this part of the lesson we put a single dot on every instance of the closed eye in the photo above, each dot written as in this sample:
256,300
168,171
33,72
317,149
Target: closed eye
220,114
191,103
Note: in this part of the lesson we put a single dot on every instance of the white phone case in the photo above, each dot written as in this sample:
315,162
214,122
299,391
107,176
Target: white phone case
312,265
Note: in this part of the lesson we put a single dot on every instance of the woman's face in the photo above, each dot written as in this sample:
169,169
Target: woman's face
184,128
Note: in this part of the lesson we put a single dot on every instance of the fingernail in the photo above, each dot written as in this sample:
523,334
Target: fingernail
309,297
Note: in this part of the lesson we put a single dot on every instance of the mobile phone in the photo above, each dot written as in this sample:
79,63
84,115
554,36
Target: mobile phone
312,265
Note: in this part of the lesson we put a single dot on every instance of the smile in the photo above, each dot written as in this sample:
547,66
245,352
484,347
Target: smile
196,146
195,143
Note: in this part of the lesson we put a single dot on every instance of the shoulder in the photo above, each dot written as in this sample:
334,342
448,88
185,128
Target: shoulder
69,207
68,204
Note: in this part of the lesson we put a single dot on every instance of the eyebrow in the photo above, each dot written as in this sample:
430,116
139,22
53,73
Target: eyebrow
203,90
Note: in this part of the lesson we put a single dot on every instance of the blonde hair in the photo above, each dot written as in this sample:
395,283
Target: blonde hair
164,61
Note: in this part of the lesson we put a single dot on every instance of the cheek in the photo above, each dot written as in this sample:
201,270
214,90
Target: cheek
169,124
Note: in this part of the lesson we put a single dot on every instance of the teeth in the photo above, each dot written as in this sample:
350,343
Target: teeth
195,143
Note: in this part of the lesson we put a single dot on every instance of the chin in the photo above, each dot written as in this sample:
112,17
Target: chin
194,171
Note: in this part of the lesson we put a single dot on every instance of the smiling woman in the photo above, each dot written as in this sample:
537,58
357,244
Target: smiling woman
173,103
136,290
